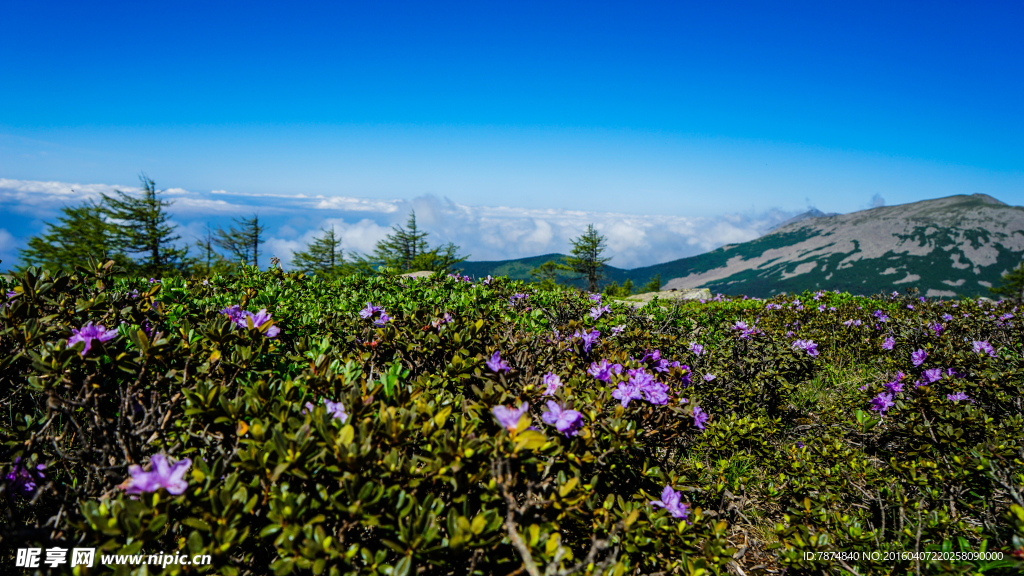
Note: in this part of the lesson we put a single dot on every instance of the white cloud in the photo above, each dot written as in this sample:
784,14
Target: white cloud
484,232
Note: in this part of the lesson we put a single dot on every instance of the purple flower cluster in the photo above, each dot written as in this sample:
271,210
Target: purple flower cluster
807,346
597,311
460,278
88,333
163,475
881,316
671,501
509,417
745,331
641,385
888,343
852,322
241,318
23,478
655,361
918,356
697,349
378,313
517,297
567,422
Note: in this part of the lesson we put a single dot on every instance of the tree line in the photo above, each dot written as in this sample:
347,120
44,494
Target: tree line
134,230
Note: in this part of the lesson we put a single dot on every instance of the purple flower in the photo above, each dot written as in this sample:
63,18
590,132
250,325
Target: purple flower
655,361
588,338
895,387
567,422
958,397
933,375
654,392
626,392
771,306
888,343
516,297
700,417
496,364
670,501
241,319
910,306
381,320
597,311
11,294
509,417
917,358
882,402
163,475
981,346
881,316
852,322
24,479
807,346
595,298
487,281
604,370
937,328
553,382
709,377
88,333
616,330
369,312
697,349
263,317
947,317
335,409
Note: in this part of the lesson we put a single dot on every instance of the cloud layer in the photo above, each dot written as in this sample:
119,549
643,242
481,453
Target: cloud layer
484,232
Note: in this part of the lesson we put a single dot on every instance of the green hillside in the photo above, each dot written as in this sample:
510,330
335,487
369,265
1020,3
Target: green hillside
949,247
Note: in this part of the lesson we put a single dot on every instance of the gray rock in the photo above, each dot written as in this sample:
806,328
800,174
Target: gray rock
420,274
673,295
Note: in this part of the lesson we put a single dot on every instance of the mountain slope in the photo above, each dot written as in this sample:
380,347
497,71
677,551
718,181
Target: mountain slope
955,246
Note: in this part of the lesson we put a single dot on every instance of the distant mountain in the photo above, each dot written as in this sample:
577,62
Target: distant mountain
954,246
812,213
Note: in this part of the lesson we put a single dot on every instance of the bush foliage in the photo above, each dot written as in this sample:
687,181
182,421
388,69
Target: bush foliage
328,441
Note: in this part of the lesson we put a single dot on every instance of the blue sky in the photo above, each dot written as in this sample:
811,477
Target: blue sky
708,113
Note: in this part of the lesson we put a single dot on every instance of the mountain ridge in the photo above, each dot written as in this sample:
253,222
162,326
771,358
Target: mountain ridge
947,247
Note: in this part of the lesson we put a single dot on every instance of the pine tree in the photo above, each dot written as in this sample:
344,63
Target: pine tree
654,285
586,257
142,229
80,234
209,260
243,242
323,256
406,249
1012,284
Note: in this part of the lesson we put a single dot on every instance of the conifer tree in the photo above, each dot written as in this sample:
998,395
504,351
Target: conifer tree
586,257
323,256
141,229
81,233
407,250
1012,284
243,242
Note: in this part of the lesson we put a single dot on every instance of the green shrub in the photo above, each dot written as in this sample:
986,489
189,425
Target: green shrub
322,441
